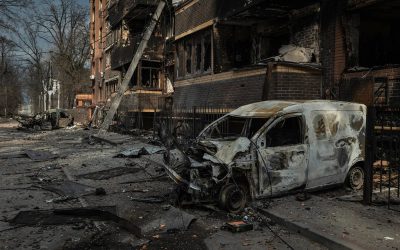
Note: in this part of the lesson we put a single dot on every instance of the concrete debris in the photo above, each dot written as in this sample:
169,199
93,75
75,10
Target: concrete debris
139,151
112,138
68,189
292,53
61,216
172,219
150,199
73,216
40,155
109,173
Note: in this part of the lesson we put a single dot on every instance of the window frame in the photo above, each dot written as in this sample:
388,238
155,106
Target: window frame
261,140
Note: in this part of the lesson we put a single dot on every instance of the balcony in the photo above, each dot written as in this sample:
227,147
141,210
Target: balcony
130,9
121,55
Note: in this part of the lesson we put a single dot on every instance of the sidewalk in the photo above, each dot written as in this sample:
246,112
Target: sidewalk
338,224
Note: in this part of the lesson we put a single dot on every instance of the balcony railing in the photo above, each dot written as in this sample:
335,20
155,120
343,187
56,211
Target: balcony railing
137,9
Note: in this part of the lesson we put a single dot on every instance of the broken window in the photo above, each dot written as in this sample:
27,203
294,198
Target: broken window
198,56
207,52
286,132
233,127
150,74
256,124
379,38
194,55
188,52
228,127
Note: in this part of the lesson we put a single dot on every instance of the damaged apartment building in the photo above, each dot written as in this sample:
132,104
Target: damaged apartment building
117,27
219,53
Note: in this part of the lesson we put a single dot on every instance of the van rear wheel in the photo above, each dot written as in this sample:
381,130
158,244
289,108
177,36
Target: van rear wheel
355,178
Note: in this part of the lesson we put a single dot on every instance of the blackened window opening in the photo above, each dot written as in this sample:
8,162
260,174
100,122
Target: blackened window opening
379,40
284,133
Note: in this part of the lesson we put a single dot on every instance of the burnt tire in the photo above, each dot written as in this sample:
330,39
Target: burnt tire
355,178
232,198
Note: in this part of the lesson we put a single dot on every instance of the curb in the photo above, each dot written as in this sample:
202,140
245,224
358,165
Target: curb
310,233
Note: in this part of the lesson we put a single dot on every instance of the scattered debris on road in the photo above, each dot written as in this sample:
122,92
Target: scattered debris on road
109,173
40,155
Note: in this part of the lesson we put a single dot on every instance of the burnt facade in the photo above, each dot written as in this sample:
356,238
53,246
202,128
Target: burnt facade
367,52
239,52
231,54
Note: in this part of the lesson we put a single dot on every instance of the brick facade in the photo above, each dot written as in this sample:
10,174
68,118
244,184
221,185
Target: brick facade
362,86
236,88
292,82
229,89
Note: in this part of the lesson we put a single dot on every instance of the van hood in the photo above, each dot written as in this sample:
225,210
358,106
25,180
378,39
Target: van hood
224,151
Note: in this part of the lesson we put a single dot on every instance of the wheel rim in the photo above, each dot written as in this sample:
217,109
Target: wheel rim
356,178
232,198
236,199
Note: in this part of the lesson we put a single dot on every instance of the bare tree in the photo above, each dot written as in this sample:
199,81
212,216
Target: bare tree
64,25
11,92
9,12
30,48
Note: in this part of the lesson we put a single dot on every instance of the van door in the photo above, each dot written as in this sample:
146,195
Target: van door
324,166
282,156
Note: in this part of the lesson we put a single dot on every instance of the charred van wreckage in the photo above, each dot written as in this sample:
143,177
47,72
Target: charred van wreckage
271,148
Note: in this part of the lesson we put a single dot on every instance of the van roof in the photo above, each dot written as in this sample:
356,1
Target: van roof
266,109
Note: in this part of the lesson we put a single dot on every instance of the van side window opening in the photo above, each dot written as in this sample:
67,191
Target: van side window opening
256,124
286,132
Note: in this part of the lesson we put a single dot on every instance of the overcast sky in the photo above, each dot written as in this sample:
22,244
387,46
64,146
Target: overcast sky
84,2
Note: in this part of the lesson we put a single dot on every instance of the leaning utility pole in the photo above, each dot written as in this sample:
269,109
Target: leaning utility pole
138,55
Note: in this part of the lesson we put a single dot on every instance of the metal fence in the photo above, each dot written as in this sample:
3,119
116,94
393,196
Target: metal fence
183,122
189,122
382,163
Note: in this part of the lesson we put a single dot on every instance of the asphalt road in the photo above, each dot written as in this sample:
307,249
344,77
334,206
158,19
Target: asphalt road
77,177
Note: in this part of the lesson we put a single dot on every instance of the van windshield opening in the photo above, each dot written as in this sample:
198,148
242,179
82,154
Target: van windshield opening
231,127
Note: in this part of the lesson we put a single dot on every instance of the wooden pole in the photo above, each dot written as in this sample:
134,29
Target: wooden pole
136,59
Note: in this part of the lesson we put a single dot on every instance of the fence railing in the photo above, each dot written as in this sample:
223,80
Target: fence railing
182,122
383,155
189,122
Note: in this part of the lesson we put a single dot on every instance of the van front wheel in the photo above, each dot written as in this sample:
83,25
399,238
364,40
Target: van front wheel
232,198
355,178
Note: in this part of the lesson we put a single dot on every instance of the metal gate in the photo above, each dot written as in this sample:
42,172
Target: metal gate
382,163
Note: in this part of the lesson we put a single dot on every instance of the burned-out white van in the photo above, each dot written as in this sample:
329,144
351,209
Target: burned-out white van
272,148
